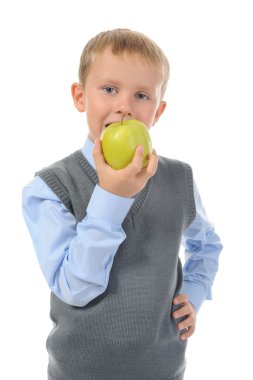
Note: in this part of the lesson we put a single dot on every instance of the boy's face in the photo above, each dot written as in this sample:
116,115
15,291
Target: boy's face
117,86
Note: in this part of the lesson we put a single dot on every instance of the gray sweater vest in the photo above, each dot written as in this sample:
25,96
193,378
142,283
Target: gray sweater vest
126,333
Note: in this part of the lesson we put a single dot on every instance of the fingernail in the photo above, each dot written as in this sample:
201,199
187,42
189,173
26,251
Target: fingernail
141,148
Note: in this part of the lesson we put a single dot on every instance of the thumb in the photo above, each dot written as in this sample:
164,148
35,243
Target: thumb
97,153
137,160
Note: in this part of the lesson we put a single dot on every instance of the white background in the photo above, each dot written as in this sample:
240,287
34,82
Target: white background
207,123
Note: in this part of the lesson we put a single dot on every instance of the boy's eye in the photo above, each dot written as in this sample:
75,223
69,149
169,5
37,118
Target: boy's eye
109,90
142,96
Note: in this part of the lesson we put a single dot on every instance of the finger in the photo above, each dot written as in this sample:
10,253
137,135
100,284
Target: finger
97,147
182,311
152,163
98,154
180,298
154,153
136,164
188,333
186,323
149,170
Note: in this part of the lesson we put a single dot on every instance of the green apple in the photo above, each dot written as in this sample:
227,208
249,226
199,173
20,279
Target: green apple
120,140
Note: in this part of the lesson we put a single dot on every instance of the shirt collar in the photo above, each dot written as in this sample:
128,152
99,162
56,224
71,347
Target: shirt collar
87,152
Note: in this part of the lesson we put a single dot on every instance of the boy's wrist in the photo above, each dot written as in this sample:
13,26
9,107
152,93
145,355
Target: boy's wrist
196,293
106,206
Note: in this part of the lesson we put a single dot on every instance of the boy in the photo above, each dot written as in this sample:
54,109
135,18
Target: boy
108,240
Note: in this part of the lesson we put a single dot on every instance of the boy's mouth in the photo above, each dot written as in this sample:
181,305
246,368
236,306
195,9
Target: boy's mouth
112,122
117,121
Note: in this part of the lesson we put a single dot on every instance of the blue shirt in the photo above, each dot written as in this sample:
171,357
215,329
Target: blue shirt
76,258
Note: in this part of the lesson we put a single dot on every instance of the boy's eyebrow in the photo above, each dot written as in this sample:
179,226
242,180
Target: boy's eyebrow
109,80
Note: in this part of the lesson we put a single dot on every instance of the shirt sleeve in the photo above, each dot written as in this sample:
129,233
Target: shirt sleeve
75,258
202,248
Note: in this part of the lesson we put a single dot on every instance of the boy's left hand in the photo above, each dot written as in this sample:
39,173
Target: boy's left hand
188,311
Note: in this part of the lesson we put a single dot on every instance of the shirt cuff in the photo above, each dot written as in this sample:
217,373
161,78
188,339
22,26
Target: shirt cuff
107,206
196,293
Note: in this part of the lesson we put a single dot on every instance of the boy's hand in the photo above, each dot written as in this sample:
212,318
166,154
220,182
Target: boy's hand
188,311
128,181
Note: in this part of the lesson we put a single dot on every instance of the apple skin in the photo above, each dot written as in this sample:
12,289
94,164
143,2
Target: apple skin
120,140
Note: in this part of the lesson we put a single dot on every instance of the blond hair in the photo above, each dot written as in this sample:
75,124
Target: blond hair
124,40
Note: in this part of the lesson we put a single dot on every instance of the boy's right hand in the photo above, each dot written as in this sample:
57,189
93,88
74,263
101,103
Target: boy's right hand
128,181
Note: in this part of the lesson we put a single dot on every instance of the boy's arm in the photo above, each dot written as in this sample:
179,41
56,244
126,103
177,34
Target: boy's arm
75,259
202,249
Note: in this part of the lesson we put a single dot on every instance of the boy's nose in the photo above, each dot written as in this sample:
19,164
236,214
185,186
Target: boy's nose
123,108
123,112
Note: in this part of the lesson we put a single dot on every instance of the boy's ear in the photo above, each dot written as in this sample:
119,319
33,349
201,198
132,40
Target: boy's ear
159,111
77,92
